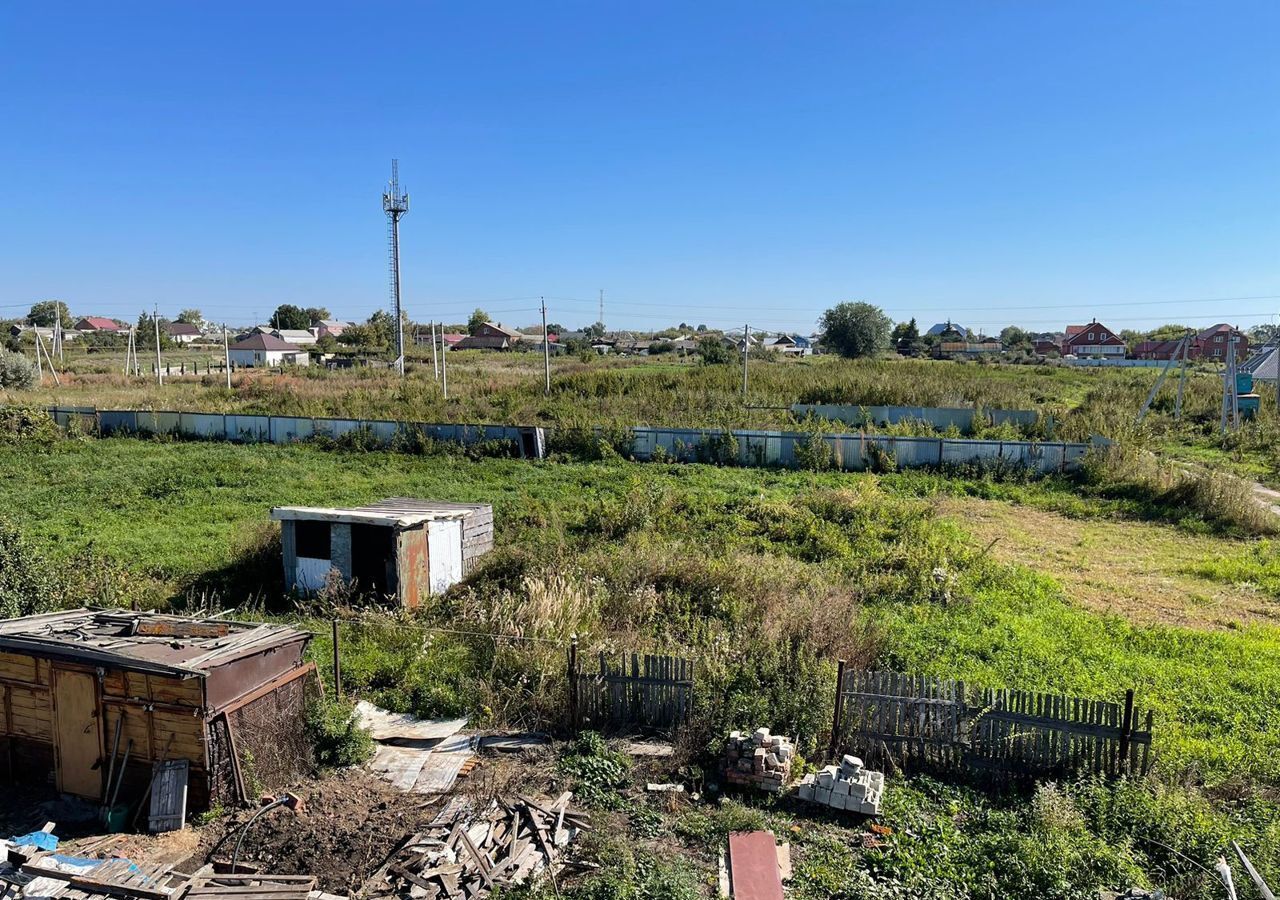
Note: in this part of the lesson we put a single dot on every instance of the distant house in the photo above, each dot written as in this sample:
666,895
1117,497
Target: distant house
1212,343
1046,345
330,328
45,334
182,332
490,336
91,324
1094,339
948,331
298,337
422,338
265,350
789,344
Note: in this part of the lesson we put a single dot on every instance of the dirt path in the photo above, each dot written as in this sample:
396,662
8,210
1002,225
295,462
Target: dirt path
1138,570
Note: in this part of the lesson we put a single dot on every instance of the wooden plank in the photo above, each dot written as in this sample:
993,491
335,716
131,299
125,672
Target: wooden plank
169,796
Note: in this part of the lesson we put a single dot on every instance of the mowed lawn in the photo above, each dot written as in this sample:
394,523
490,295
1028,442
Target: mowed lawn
174,511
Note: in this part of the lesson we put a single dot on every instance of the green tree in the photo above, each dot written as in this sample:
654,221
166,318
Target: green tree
594,330
714,352
1014,337
147,332
1167,333
26,576
290,317
478,317
46,312
327,343
855,329
190,317
317,314
904,334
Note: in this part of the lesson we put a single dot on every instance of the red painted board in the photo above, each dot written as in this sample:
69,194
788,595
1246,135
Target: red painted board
753,866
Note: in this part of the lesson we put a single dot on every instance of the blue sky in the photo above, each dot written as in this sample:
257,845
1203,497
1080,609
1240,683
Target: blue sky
995,162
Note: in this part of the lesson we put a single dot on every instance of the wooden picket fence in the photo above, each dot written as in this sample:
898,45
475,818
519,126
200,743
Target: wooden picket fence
649,692
930,722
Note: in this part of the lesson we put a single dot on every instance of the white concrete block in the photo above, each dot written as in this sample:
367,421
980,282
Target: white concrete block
840,787
826,779
822,795
806,791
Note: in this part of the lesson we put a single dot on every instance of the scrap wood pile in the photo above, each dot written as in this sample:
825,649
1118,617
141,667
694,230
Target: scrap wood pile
460,856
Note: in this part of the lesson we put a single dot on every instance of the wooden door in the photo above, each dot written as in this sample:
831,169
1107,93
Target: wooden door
77,733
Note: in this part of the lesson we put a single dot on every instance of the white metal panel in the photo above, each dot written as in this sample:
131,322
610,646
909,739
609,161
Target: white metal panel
312,573
444,553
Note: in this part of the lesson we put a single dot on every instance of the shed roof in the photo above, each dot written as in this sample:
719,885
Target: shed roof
147,642
397,512
263,342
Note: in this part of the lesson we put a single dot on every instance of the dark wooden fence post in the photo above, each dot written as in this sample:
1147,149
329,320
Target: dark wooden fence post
1126,731
337,666
573,683
835,717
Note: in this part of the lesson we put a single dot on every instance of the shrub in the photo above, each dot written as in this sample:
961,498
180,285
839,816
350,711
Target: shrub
26,575
17,371
28,425
598,773
335,731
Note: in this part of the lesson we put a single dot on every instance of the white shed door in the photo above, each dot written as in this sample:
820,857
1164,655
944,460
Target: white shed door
444,553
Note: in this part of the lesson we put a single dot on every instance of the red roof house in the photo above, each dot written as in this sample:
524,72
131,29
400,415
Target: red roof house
96,323
1094,339
1212,343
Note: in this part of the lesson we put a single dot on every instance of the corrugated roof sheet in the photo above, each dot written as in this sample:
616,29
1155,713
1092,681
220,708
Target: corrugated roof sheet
401,512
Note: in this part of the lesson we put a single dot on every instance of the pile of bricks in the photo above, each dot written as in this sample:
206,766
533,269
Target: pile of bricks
846,786
759,759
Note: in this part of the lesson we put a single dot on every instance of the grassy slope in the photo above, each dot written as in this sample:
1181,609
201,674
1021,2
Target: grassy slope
177,511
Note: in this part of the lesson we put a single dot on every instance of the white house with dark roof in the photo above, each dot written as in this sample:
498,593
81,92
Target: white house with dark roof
266,350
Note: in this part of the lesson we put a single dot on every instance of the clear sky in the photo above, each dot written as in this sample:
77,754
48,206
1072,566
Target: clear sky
990,162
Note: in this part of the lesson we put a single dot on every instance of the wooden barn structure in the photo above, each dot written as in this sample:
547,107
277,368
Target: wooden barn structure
226,696
401,547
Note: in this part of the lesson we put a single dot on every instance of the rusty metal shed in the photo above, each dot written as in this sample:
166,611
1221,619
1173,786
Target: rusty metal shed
401,547
211,691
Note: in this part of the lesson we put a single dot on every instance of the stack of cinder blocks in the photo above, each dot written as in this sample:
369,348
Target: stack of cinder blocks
760,759
846,786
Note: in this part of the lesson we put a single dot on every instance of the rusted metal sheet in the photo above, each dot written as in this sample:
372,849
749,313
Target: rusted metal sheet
753,866
413,566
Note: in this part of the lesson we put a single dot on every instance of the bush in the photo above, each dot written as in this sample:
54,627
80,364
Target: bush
28,425
598,773
17,371
26,575
335,731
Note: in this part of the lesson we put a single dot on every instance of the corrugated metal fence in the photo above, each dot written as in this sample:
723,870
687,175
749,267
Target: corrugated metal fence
851,452
939,417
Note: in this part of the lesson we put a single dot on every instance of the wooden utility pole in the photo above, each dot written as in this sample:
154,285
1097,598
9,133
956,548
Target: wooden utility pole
226,354
1182,375
155,320
746,352
546,350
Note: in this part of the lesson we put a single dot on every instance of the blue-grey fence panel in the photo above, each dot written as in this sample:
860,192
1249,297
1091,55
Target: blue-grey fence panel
118,421
210,426
287,429
385,432
160,422
249,429
642,442
338,427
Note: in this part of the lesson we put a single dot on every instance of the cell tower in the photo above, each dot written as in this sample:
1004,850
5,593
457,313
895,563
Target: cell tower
395,204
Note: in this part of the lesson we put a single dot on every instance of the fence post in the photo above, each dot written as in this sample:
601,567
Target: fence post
573,683
337,666
835,718
1126,731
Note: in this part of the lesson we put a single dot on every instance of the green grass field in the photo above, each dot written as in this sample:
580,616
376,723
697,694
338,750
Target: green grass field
764,576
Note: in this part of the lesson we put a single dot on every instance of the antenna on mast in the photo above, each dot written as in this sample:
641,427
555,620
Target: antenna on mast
395,204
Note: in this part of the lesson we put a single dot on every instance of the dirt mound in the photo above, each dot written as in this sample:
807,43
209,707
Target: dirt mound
350,823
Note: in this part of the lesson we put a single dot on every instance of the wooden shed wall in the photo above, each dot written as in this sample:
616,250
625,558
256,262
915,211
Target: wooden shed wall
26,716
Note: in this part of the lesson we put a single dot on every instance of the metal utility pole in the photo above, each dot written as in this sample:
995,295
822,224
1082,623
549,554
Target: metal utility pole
435,358
226,354
546,350
155,319
395,204
746,351
1155,388
1235,387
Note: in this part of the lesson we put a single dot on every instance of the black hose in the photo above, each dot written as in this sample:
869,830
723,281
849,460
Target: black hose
279,801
